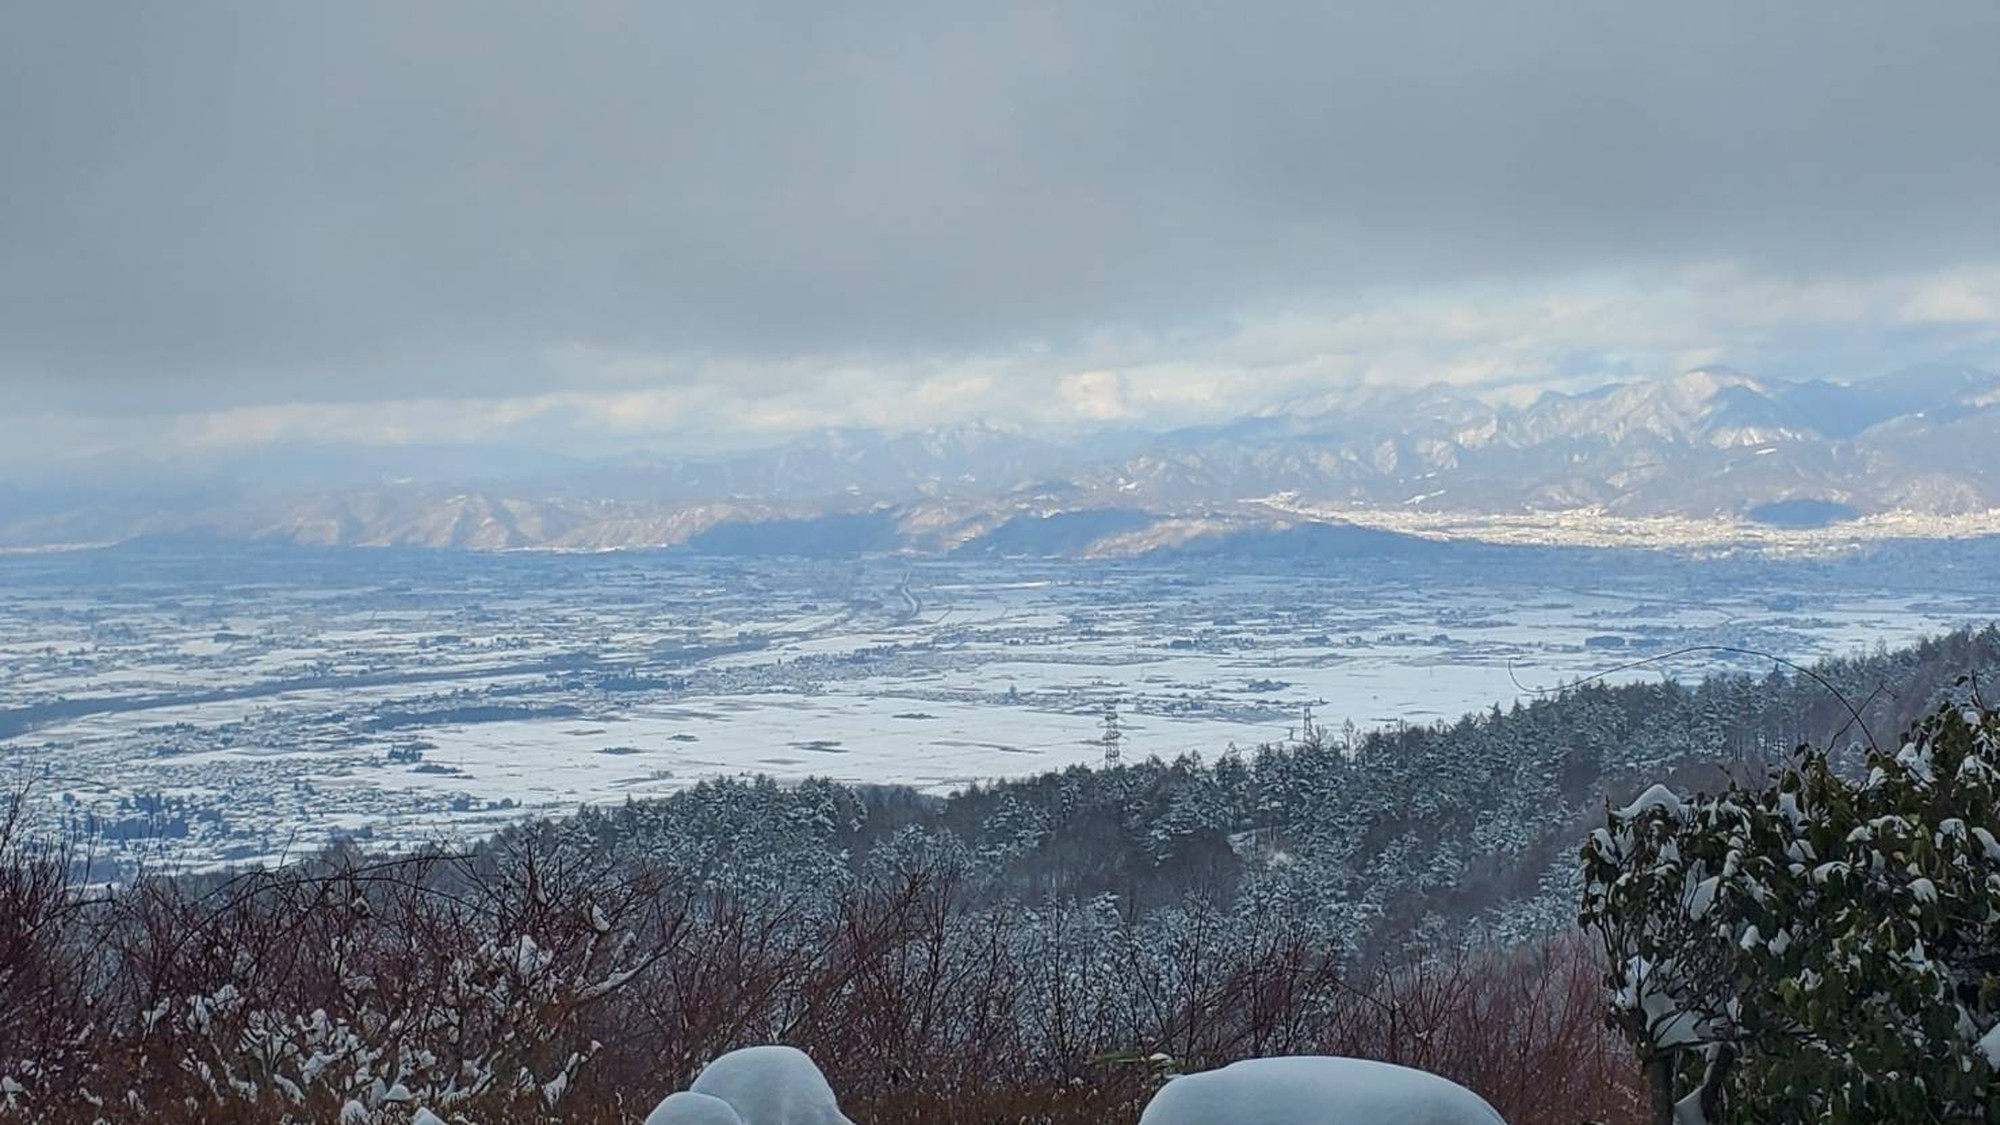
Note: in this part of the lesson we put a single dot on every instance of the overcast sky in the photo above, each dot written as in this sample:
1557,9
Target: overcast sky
598,225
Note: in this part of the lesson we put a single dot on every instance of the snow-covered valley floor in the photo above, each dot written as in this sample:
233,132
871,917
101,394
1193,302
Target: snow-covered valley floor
205,711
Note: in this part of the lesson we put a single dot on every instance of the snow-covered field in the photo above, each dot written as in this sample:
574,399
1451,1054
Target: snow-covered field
210,710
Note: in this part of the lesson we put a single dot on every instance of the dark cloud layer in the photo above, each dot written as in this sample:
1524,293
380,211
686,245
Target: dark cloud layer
206,203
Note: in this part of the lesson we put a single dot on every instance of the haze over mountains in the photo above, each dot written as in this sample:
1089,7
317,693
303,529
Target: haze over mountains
1709,444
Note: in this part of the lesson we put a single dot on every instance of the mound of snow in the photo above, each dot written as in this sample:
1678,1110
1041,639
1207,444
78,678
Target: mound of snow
1316,1091
771,1086
687,1108
1657,797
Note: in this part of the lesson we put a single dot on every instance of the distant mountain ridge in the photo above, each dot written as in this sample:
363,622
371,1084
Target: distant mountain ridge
1711,443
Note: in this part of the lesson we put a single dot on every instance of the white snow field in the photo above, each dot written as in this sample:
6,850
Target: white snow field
769,1085
195,722
689,1108
1316,1090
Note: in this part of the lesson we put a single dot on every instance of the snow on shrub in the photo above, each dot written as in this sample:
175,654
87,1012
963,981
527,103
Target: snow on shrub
688,1108
771,1085
1316,1090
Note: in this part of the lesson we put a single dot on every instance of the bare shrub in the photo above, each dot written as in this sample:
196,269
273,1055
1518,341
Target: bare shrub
1524,1027
536,980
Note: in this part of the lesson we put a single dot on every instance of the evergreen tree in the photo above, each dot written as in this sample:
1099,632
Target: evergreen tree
1819,948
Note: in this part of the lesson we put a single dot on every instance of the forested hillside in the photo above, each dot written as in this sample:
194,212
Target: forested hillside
996,955
1468,828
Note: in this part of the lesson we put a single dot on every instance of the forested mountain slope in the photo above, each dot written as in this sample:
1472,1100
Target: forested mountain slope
1468,827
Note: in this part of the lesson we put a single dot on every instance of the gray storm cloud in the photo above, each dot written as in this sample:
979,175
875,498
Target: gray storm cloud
208,204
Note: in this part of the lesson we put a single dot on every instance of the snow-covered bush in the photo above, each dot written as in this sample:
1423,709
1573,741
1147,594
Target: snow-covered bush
1818,948
1316,1090
771,1085
687,1108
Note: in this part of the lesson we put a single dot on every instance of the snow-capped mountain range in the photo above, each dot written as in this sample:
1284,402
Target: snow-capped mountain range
1710,444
